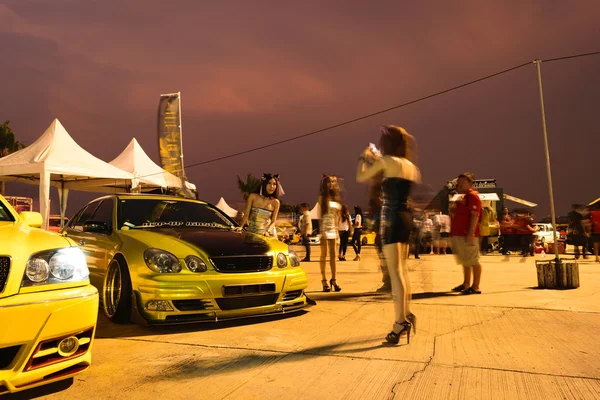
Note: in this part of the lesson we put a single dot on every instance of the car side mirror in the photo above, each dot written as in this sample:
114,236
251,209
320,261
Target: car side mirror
32,218
95,227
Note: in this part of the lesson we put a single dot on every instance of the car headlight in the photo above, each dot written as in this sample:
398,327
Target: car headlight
281,260
55,266
161,261
195,264
294,261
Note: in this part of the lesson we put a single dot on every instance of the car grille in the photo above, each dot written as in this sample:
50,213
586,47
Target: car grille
7,355
291,295
240,290
236,303
242,264
4,268
192,305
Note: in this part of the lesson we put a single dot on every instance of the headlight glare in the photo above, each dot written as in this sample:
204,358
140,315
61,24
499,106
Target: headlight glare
161,261
281,260
56,266
195,264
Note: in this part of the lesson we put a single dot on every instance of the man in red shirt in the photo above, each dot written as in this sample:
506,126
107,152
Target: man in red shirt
465,234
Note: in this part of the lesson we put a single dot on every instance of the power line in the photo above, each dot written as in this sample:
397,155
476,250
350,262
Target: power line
383,111
357,119
574,56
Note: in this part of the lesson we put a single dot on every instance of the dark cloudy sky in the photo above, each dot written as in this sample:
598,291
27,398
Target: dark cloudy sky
254,72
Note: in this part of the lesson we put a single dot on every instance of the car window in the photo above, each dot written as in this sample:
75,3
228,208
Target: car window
5,215
84,215
104,212
157,213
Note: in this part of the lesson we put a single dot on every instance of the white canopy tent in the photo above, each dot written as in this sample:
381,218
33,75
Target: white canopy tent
146,172
56,159
223,206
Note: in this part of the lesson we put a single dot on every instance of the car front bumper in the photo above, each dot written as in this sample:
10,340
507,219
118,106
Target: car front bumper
32,327
222,296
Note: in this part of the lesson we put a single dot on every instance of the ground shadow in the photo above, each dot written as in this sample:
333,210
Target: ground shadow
109,330
193,368
46,390
429,295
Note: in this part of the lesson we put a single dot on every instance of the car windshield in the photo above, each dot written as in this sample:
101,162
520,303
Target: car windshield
161,213
5,215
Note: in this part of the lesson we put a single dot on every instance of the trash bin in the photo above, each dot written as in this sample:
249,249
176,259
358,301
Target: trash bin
563,274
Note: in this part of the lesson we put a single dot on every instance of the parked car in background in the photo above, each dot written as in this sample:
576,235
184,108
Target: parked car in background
54,223
164,259
285,231
544,232
48,309
367,237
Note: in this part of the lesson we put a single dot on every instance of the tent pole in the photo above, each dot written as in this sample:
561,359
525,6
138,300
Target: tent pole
537,63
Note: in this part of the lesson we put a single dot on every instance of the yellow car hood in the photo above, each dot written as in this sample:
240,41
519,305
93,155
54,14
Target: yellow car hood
16,241
214,242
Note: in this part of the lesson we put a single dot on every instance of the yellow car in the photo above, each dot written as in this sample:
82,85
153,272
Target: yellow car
367,238
48,309
163,259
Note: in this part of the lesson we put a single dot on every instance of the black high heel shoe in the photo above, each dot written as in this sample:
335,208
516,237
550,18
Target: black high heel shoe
394,337
325,287
334,285
412,318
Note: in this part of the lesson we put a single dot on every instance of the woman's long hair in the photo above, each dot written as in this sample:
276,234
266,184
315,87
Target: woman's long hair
345,213
329,194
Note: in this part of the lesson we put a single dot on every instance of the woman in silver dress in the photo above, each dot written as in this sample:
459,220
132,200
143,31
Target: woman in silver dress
262,206
399,175
329,199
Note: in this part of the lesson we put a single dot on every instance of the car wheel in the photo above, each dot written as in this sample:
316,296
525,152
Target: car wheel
116,292
364,241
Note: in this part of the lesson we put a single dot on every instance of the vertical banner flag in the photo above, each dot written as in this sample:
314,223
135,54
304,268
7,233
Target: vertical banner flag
169,134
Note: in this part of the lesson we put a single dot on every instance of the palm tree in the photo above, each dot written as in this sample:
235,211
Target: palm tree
8,145
249,186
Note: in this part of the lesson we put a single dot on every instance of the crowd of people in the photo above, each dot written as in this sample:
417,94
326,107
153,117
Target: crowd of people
391,173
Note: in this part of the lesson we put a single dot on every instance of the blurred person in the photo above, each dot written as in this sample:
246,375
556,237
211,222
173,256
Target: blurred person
487,215
578,231
442,221
344,231
262,206
465,232
416,232
356,236
329,199
305,226
507,231
427,233
399,176
595,229
375,212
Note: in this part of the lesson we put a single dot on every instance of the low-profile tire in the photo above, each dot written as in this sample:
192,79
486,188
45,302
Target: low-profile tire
364,241
116,292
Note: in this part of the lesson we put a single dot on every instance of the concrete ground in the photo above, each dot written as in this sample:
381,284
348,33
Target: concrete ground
513,341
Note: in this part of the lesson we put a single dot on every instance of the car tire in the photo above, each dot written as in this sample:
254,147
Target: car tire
363,241
116,292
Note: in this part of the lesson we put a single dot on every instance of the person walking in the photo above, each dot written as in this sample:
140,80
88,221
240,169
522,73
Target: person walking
356,236
578,231
344,231
305,225
399,174
417,230
465,232
329,200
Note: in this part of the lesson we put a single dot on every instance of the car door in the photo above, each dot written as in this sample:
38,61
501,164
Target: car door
97,246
